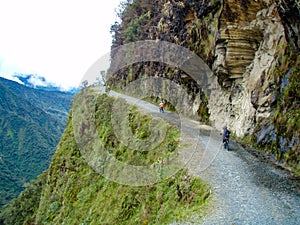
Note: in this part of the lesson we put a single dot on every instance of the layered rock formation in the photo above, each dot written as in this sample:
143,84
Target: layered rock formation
251,53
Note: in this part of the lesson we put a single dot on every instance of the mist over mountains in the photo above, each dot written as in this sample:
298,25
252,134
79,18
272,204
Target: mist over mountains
39,82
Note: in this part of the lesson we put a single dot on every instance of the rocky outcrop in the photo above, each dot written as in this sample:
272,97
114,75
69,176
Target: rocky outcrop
254,74
237,41
249,87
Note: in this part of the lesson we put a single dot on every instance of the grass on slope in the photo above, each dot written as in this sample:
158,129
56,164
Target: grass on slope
75,194
21,210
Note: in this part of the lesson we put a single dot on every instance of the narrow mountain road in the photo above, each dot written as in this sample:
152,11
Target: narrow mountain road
246,189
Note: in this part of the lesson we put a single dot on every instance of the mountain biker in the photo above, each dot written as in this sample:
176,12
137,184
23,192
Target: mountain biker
225,136
161,106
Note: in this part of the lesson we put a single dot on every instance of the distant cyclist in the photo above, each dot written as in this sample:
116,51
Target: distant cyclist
161,106
225,137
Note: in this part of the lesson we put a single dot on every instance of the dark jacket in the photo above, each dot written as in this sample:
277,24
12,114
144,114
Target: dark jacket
226,133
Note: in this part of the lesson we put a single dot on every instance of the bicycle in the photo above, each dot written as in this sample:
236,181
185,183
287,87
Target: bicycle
226,144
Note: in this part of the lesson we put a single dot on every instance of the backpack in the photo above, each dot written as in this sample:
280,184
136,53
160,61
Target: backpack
227,133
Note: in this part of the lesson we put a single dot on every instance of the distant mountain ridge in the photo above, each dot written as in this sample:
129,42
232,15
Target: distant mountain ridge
40,83
31,122
53,102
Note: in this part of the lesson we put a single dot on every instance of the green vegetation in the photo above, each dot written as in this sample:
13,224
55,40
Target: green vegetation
201,35
54,103
31,124
286,118
203,111
76,194
283,143
133,31
21,210
139,124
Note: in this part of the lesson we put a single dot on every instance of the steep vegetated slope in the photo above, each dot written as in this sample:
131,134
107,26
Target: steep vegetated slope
31,123
252,47
75,194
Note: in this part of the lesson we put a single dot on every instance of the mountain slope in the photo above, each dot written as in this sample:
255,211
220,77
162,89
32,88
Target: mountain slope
74,193
52,102
31,123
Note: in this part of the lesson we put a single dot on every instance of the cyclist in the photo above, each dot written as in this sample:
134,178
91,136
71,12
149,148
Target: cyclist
225,137
161,106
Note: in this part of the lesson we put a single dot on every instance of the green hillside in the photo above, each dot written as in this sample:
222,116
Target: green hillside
73,193
52,102
31,123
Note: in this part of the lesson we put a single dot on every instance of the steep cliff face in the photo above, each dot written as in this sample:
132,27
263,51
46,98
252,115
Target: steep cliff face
251,53
237,41
258,54
251,47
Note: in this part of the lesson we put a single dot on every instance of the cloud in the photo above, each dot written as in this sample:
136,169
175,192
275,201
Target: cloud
36,81
15,72
33,80
11,77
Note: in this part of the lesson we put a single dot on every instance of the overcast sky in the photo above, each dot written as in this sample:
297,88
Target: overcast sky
57,39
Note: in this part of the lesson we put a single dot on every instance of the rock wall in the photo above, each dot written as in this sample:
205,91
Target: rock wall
247,51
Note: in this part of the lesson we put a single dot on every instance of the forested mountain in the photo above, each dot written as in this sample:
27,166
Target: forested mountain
31,122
